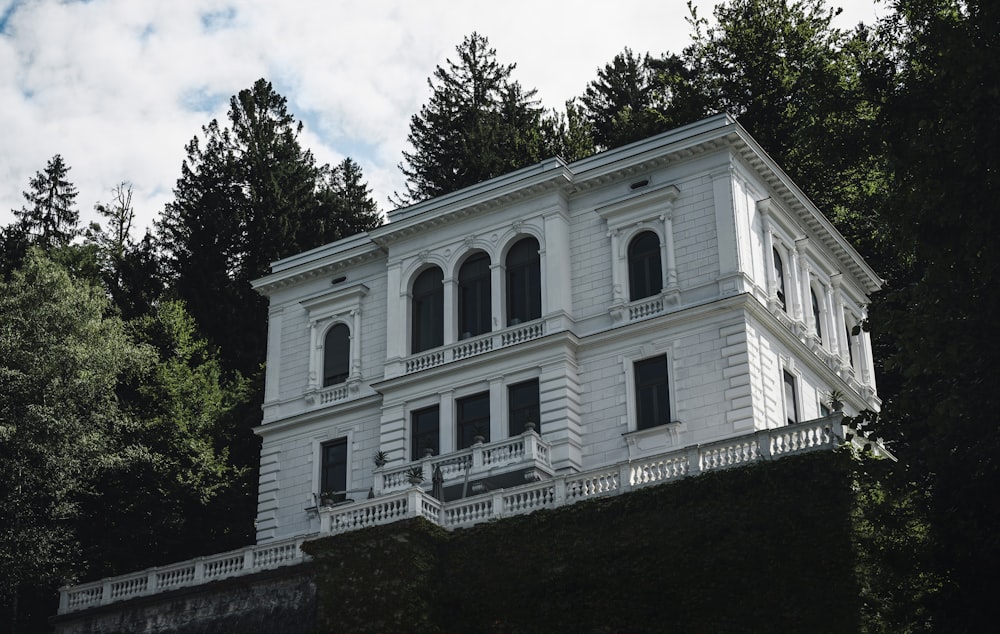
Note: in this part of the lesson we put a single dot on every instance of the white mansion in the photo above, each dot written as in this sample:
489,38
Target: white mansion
566,330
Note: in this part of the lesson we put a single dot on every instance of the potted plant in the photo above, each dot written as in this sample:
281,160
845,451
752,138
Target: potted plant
381,458
415,475
327,498
835,400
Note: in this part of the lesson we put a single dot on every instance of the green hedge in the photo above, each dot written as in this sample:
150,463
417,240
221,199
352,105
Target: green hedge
767,548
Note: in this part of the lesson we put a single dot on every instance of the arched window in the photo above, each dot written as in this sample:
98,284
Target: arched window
474,308
336,355
817,316
779,277
645,274
427,318
524,282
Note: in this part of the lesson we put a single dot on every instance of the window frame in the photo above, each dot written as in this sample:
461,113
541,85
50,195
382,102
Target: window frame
475,295
468,424
521,413
645,268
790,390
523,281
344,358
326,466
427,311
661,385
433,430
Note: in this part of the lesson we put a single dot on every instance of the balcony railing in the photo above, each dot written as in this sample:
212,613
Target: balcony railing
401,500
474,346
188,573
526,450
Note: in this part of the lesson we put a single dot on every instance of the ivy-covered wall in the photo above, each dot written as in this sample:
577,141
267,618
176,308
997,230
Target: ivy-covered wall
767,548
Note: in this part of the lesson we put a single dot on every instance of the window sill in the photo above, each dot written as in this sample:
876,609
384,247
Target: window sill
647,442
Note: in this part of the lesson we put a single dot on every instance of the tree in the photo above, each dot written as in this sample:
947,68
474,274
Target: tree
50,217
248,195
61,360
477,125
623,104
940,137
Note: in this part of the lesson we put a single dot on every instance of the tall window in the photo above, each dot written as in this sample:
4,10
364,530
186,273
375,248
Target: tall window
524,282
424,432
652,398
848,341
791,398
473,419
336,355
427,319
645,275
522,406
333,478
779,277
817,316
474,308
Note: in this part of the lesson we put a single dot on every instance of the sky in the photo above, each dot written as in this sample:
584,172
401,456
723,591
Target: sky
119,87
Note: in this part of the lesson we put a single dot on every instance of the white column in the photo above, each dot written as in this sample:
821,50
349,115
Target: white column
617,269
498,296
355,371
668,250
450,310
397,306
446,422
272,376
770,281
557,265
800,275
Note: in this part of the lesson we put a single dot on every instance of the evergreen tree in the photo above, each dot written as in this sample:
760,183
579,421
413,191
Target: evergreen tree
940,133
50,218
478,124
249,194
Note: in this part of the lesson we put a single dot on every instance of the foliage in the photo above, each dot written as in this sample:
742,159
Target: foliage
61,361
765,548
940,137
250,194
478,124
50,217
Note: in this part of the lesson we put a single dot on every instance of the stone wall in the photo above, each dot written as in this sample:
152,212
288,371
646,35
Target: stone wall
281,600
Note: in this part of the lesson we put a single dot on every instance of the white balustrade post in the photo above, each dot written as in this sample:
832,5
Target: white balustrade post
625,477
497,505
530,445
477,457
325,521
151,586
248,558
559,491
414,497
763,440
694,459
105,593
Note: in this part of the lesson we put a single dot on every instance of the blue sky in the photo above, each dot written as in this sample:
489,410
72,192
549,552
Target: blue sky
118,87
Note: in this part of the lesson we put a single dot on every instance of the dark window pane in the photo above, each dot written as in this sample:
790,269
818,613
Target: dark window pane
522,406
427,311
645,275
334,476
336,355
473,419
474,307
424,433
652,397
816,315
791,399
847,340
779,277
524,282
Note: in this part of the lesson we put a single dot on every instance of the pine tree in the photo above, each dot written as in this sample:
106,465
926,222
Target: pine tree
50,217
478,124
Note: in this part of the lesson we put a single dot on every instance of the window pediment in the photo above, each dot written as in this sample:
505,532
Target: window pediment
638,207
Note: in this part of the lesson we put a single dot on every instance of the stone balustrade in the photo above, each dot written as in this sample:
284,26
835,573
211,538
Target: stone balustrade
400,500
188,573
470,347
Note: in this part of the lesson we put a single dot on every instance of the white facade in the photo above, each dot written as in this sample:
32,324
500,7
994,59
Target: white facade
744,345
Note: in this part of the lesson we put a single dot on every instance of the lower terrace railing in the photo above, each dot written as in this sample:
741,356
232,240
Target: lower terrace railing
414,501
188,573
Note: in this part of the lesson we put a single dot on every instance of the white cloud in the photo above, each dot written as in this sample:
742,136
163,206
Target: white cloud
118,87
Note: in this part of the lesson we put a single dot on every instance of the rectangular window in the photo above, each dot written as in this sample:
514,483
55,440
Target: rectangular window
473,419
791,398
333,479
424,432
652,397
522,406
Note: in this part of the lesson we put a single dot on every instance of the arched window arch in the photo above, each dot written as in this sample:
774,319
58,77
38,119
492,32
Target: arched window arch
475,308
779,277
336,355
524,282
427,311
645,272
